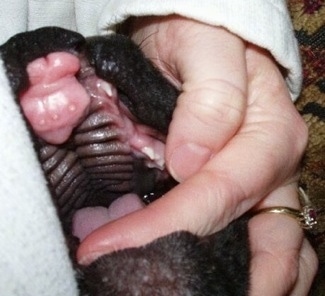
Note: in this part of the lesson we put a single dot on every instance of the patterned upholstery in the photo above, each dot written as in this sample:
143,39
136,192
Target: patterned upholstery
309,24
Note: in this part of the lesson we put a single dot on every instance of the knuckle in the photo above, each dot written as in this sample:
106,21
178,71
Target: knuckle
302,134
310,260
297,135
216,103
289,268
220,199
293,132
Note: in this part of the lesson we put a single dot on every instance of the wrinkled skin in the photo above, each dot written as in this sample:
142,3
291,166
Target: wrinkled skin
96,163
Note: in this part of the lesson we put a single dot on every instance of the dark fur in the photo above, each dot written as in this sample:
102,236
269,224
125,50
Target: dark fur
178,264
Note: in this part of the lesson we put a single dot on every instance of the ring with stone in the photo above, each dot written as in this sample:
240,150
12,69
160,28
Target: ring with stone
306,217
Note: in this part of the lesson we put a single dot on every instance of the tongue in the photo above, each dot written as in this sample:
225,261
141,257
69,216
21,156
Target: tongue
86,220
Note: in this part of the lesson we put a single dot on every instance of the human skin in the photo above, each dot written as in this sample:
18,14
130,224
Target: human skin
245,143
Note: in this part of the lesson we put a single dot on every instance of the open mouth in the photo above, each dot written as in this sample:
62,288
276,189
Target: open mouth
99,112
100,161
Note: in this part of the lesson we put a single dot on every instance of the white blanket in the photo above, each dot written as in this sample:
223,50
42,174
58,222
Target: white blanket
33,255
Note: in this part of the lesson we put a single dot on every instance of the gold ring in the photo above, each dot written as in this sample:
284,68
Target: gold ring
306,217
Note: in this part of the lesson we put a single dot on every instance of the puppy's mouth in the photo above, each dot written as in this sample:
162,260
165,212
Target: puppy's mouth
100,161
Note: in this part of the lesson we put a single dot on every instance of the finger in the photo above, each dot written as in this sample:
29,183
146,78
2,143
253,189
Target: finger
307,270
276,242
212,104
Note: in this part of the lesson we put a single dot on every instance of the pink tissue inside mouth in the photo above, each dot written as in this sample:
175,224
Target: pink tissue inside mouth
55,101
87,220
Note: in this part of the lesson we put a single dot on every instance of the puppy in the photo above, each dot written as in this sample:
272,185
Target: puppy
99,96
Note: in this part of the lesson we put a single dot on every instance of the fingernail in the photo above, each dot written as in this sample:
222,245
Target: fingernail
187,160
89,258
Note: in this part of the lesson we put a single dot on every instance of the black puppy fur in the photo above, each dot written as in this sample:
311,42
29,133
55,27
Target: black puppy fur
180,263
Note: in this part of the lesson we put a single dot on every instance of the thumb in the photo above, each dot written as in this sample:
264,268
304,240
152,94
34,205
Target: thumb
211,107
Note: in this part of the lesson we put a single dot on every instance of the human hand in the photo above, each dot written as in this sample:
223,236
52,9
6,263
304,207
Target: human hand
235,142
